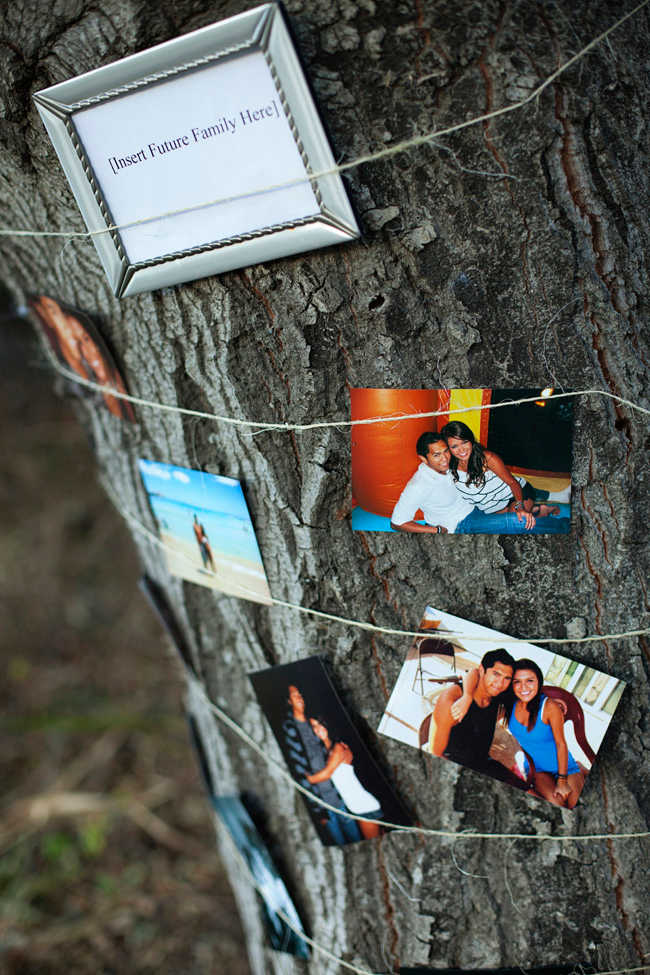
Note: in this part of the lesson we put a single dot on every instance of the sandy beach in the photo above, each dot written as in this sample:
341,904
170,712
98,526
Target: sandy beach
233,576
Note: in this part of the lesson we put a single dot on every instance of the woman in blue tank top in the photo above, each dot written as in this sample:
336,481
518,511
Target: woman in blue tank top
538,725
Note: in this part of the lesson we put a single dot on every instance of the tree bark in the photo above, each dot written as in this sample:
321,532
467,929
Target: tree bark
509,254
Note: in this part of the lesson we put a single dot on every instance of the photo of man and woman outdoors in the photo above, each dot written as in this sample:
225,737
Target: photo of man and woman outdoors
516,712
325,754
206,529
479,466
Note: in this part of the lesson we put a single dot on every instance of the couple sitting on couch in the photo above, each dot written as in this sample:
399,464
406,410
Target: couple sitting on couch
464,489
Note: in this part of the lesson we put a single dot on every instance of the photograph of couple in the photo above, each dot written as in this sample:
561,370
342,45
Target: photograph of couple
526,716
325,754
468,470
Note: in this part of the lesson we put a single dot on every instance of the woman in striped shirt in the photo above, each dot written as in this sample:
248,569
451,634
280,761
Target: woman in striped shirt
484,480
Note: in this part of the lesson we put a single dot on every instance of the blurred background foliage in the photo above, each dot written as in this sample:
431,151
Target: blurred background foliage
107,852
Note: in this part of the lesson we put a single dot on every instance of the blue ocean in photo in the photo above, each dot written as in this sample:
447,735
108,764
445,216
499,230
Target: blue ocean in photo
177,494
226,533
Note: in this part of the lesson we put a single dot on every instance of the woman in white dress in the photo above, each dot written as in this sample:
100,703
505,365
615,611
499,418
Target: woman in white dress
340,771
484,480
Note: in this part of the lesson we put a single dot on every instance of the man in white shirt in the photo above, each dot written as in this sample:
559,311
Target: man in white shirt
432,490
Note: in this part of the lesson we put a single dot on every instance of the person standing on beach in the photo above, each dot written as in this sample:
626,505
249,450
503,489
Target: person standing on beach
204,544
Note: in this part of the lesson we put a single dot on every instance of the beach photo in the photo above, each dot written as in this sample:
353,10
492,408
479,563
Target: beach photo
461,461
325,753
529,717
74,339
271,889
206,530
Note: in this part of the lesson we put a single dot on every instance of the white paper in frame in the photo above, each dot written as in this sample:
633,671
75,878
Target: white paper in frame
221,114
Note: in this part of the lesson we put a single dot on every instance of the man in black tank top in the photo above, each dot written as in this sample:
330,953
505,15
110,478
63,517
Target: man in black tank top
468,741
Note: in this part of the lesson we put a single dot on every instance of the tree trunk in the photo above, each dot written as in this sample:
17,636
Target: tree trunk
509,254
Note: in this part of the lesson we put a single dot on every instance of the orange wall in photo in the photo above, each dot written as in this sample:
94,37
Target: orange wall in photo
383,454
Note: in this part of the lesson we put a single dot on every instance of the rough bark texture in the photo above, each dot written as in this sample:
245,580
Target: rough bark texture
462,279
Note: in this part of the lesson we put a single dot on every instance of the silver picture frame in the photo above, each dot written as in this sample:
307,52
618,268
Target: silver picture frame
201,54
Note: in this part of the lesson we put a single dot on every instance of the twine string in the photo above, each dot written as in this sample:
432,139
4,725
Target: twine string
237,729
363,625
398,827
336,170
283,773
142,529
262,425
326,951
284,917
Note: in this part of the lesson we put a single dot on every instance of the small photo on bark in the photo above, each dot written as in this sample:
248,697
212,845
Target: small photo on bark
325,754
461,461
526,716
206,530
73,339
279,914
